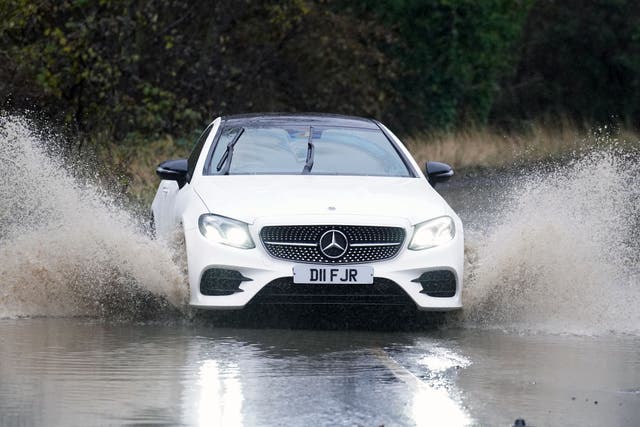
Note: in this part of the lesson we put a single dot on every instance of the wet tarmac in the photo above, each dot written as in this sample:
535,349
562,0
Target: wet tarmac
79,372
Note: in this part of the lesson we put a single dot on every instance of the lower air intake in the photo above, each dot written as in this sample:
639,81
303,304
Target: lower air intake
220,281
381,292
439,283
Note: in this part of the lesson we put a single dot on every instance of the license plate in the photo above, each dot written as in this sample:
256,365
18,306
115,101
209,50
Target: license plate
308,274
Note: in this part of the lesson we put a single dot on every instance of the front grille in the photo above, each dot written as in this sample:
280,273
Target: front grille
381,292
301,243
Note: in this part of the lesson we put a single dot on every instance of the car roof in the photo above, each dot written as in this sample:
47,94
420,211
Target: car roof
303,119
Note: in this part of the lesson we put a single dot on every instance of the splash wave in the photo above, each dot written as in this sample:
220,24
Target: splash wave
66,247
564,256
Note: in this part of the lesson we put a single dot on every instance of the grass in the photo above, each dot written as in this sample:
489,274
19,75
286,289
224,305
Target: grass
489,148
473,148
136,163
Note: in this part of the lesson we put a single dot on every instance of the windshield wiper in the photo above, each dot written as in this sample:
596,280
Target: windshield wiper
228,154
310,148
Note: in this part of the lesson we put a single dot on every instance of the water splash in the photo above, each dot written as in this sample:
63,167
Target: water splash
564,255
66,247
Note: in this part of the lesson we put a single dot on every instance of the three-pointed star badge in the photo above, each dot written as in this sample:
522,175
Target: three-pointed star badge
333,244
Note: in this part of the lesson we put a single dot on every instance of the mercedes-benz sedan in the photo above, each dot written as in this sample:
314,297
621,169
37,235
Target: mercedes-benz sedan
310,209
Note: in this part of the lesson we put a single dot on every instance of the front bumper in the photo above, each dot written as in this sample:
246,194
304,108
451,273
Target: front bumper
262,269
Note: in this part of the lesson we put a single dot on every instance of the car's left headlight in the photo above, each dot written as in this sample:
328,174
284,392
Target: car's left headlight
225,230
435,232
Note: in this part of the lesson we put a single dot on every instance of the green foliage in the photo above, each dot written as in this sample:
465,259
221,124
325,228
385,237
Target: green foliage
165,66
130,68
580,58
453,54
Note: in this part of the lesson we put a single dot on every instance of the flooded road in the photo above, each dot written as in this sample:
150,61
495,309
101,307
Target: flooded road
79,372
94,329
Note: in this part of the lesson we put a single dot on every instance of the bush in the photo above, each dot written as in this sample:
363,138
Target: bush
166,66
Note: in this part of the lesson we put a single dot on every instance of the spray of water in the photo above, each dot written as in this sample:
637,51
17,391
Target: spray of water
66,247
564,255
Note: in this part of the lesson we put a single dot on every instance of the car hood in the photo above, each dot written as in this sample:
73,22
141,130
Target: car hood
248,197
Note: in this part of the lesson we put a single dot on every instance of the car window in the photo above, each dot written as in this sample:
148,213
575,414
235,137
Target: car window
283,150
195,153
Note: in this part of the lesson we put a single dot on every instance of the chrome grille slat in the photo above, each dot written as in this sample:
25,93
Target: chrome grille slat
360,245
291,244
300,243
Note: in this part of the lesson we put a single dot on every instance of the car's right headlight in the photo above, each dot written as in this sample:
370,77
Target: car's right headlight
434,232
227,231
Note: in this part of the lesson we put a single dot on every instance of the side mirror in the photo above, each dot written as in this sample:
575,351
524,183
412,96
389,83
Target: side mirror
173,170
438,172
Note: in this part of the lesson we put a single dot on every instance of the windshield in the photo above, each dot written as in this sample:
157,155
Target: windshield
315,150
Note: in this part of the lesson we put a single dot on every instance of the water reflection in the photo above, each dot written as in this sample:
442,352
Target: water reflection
434,406
68,372
435,398
220,402
437,401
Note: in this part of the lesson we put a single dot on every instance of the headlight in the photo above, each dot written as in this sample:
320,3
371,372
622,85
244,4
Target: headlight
226,231
432,233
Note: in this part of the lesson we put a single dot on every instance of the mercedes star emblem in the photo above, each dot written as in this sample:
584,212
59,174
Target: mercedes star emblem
333,244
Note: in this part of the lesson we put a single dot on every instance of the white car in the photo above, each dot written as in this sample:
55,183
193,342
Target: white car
310,209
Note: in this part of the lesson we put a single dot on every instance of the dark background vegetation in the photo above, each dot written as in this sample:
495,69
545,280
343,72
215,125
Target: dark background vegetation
136,69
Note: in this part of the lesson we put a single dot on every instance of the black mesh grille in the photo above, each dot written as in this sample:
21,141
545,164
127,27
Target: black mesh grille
220,281
312,233
300,243
439,283
381,292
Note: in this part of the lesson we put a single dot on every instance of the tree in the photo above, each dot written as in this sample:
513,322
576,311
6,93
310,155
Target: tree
453,55
579,57
123,66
